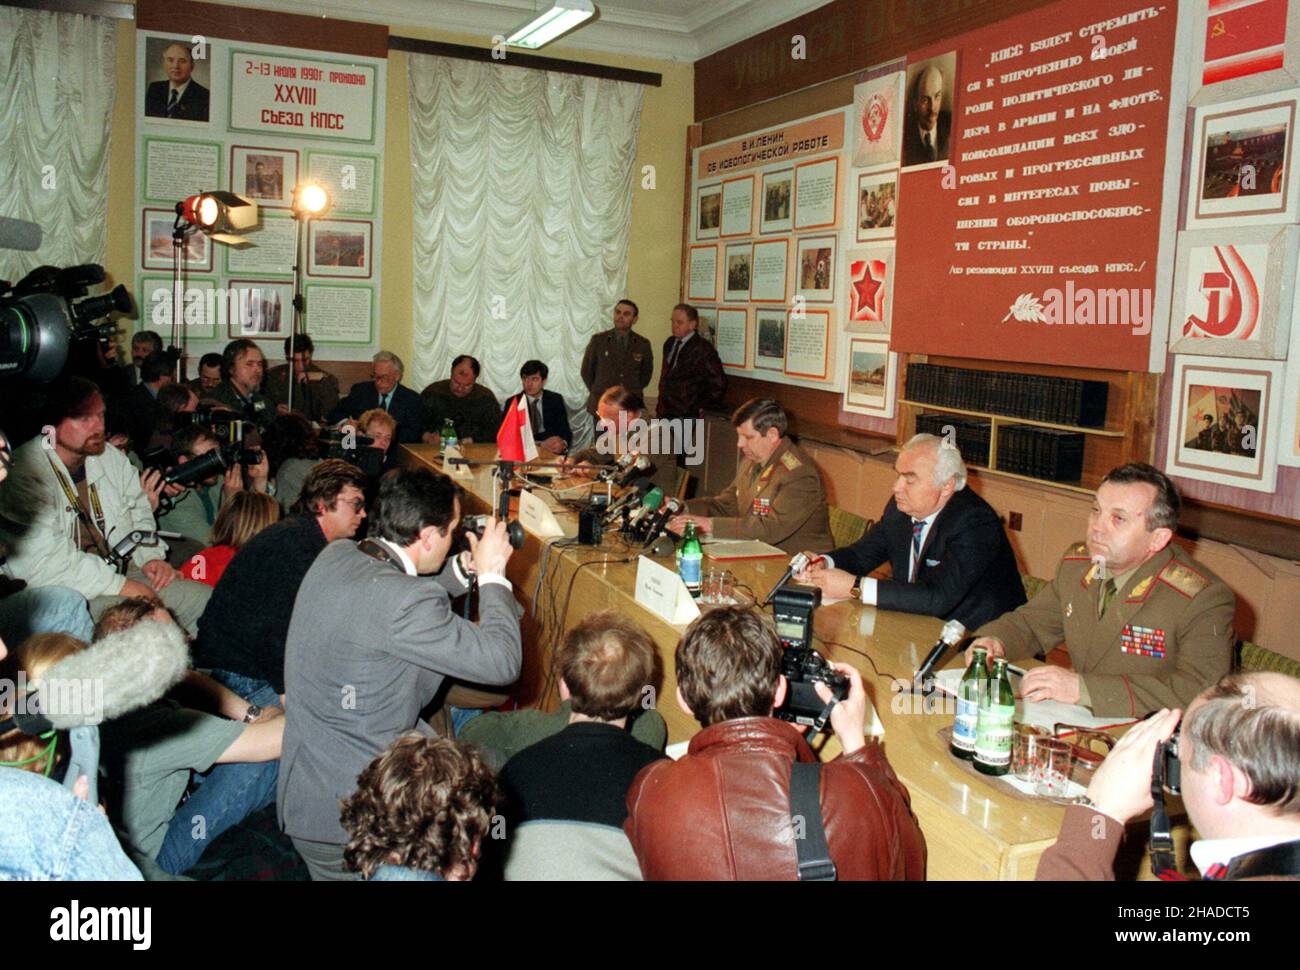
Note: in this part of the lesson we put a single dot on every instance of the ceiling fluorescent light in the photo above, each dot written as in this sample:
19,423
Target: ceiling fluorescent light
563,16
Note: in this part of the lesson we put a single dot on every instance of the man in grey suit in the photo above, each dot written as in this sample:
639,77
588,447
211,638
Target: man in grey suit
370,643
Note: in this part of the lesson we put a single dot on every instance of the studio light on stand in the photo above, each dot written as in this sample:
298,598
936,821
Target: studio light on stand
220,216
310,201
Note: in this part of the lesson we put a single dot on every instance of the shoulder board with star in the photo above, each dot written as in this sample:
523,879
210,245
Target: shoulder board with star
1183,578
1079,551
790,461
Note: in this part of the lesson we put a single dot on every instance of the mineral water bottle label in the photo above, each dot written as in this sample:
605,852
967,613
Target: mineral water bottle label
963,729
993,740
689,568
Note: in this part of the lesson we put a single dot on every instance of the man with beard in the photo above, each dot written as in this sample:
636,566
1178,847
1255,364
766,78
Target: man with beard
70,498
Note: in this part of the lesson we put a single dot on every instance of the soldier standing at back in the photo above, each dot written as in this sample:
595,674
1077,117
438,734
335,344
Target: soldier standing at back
617,357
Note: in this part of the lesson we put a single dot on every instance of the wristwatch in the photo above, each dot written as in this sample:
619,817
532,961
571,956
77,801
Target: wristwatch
252,714
856,591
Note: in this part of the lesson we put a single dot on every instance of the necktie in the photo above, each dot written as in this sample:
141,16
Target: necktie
918,526
929,145
1107,591
672,359
535,415
171,102
384,400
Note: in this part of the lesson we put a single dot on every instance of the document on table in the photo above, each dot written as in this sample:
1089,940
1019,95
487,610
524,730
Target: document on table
1043,714
724,549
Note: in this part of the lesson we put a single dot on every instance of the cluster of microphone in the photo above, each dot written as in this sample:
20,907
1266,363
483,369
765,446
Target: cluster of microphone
643,512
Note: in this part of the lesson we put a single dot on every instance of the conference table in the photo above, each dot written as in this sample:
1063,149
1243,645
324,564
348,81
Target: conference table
974,827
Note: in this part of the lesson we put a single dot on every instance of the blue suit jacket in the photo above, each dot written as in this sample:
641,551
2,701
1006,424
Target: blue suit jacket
407,408
966,570
555,416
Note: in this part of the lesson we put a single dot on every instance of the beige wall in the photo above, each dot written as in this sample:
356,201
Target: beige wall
654,263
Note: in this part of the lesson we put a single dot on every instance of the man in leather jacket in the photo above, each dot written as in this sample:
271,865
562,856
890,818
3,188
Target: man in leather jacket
723,811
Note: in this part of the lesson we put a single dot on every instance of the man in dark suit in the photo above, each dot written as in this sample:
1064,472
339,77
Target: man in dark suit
546,409
692,378
926,124
371,642
949,554
384,390
180,97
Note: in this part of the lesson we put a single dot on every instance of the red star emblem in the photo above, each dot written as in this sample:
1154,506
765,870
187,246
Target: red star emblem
867,297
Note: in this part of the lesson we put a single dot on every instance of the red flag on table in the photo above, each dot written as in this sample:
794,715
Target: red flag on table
515,436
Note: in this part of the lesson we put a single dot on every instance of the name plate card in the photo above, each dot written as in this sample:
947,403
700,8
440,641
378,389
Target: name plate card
662,591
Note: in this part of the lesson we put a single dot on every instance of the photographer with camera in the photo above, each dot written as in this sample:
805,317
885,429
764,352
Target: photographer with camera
372,640
70,499
194,511
724,810
242,367
1235,758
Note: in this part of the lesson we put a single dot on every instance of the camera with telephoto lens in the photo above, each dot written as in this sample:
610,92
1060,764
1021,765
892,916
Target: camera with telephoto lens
226,424
1167,770
477,523
804,667
215,462
353,447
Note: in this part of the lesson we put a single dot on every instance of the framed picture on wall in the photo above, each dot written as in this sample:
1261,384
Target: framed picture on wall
870,377
1223,421
733,336
703,281
777,202
1233,291
339,247
738,272
1243,169
156,244
737,206
877,204
815,267
868,287
708,328
769,344
1244,47
260,309
877,117
265,175
708,211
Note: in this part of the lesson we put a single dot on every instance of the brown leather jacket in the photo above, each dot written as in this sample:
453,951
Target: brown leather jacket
723,810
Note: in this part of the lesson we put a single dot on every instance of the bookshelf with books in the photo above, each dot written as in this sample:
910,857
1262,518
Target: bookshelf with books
1063,427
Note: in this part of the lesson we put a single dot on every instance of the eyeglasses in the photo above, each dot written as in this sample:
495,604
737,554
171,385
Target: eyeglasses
357,503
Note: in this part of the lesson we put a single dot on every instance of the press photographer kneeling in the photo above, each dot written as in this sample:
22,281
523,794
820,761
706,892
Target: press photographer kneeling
1237,753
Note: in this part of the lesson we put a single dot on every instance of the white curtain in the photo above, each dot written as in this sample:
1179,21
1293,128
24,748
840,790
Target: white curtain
521,184
57,84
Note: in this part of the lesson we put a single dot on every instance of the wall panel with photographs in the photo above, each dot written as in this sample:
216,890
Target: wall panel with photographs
769,222
256,120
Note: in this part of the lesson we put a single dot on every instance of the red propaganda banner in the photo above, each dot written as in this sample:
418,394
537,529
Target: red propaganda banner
1243,37
1029,208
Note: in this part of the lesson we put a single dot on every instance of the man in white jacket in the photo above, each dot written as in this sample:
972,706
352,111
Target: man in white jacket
69,499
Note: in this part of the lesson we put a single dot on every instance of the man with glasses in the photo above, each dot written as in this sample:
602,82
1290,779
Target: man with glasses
384,390
242,633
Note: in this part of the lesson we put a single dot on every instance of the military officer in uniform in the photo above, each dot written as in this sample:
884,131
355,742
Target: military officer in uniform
617,357
777,496
1146,626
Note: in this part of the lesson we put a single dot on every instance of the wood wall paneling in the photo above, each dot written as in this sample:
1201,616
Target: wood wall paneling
255,26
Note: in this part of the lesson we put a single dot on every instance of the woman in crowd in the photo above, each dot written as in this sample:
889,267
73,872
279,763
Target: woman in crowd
242,517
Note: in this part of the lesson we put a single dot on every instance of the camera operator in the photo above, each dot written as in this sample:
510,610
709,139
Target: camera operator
1239,757
70,497
194,511
723,811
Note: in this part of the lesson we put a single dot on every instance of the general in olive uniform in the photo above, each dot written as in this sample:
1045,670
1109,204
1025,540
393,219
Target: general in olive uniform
617,356
777,496
1156,638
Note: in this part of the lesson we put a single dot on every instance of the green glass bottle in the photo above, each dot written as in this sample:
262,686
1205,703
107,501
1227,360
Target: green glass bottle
973,684
690,558
993,728
449,439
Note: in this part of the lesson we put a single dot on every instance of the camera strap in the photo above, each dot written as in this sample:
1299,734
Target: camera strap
97,529
815,863
1163,863
376,550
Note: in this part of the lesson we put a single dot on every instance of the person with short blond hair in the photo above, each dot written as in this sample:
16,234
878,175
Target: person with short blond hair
567,793
242,517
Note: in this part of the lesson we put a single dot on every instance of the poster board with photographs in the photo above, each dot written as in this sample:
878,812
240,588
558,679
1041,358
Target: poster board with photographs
1244,47
787,181
870,374
208,118
1224,421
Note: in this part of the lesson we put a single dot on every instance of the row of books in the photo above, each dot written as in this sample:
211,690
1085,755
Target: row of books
1046,453
1060,400
973,436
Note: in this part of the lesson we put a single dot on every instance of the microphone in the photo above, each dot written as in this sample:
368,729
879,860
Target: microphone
122,672
641,489
798,563
639,464
654,498
19,234
952,633
660,520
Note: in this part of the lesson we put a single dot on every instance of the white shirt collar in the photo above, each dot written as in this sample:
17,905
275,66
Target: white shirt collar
1209,852
180,91
407,563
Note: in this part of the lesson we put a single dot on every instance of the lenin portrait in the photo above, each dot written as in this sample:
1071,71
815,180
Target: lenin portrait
927,115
